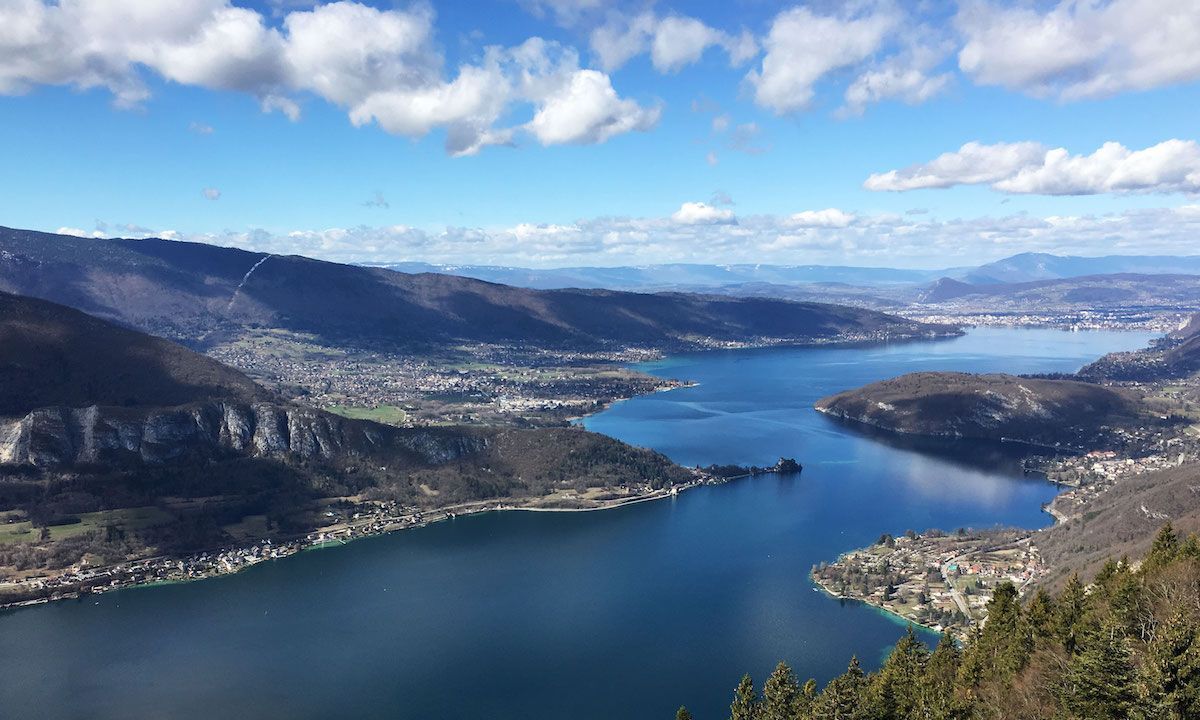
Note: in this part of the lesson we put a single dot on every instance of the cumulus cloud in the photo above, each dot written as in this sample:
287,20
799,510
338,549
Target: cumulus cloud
802,47
199,128
211,193
698,213
1028,167
1081,49
971,164
381,66
673,41
588,110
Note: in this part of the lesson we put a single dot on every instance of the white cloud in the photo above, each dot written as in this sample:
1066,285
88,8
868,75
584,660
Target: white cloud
1028,167
698,213
588,110
346,52
908,78
199,128
802,47
971,164
680,41
673,41
827,218
843,237
381,66
211,193
1171,166
1081,49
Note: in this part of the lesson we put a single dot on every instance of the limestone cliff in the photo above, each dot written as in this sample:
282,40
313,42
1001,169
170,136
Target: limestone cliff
55,436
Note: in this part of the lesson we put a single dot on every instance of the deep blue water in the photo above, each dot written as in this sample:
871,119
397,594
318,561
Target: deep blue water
618,614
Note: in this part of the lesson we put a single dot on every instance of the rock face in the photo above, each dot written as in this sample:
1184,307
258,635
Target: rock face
55,436
995,407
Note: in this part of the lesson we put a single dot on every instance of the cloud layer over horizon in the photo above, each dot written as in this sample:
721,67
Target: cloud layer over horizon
699,232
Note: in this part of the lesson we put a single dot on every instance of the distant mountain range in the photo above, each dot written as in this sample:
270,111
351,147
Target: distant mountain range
1025,267
202,294
1118,288
677,276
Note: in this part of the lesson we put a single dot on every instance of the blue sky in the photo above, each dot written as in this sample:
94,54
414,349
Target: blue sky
585,132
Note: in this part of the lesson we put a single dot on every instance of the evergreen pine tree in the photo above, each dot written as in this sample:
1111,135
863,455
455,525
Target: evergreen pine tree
1163,550
1099,681
1071,607
745,701
808,695
842,698
683,714
1041,613
936,697
1002,648
894,691
1169,680
1124,593
1106,573
781,695
1190,547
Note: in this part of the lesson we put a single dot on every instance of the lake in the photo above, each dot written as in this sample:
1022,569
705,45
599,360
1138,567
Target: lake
625,613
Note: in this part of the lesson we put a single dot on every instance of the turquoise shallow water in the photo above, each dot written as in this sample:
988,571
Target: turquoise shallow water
619,614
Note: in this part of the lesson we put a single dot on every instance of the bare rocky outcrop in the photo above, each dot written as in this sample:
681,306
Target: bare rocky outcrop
55,436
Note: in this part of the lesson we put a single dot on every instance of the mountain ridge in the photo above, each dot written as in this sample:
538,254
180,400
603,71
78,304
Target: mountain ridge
202,294
146,423
1023,267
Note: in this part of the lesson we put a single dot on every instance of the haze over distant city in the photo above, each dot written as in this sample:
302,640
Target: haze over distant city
549,133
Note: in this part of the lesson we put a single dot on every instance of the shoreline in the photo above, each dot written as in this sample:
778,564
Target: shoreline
1047,508
231,561
221,562
820,587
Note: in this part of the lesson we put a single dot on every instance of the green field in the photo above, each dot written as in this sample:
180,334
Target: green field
387,414
127,518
